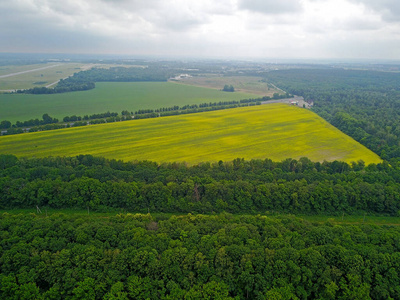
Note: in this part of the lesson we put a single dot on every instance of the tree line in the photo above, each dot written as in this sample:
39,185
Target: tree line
295,186
109,117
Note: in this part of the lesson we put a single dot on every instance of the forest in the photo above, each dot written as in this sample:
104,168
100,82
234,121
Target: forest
141,256
240,186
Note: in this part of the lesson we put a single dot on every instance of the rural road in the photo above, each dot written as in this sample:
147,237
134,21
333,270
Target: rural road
28,71
51,84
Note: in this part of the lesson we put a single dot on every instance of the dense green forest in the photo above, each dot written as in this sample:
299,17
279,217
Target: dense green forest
296,186
363,104
138,256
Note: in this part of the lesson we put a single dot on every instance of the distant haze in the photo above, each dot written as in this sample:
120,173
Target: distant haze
317,29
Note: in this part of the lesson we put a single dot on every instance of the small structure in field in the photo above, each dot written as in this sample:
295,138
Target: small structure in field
180,77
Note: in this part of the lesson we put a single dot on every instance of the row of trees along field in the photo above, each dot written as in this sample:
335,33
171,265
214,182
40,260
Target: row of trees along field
138,256
85,80
49,123
363,104
296,186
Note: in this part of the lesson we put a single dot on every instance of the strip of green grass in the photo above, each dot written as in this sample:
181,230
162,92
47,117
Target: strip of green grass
275,131
109,96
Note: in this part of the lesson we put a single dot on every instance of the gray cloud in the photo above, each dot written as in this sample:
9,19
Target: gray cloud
297,28
360,24
271,6
389,9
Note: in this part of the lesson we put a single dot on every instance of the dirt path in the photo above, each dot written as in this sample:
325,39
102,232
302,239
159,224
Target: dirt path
55,82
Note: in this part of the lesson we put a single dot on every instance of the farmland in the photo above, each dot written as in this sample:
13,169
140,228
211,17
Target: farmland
244,84
110,97
273,131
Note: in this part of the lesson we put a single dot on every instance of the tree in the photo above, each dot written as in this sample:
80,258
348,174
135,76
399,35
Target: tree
116,292
48,120
85,290
5,124
228,88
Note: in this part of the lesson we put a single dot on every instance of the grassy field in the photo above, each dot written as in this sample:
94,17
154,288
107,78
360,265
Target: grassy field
244,84
109,97
36,75
275,131
4,70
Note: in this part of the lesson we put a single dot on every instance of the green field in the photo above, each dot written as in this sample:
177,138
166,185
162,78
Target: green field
244,84
275,131
110,97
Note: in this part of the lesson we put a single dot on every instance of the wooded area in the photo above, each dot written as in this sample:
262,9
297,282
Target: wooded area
296,186
138,256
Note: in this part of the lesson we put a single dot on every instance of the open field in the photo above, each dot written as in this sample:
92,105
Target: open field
244,84
30,76
109,96
275,131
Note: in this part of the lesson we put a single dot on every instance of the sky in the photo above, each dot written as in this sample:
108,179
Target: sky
304,29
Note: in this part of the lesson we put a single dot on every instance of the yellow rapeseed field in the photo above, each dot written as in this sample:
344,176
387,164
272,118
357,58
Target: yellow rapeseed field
275,131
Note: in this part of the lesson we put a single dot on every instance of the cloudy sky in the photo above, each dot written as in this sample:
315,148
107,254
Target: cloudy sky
322,29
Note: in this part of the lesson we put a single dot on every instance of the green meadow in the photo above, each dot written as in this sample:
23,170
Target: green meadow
109,96
275,131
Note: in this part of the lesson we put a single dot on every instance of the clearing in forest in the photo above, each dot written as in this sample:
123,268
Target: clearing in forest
275,131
